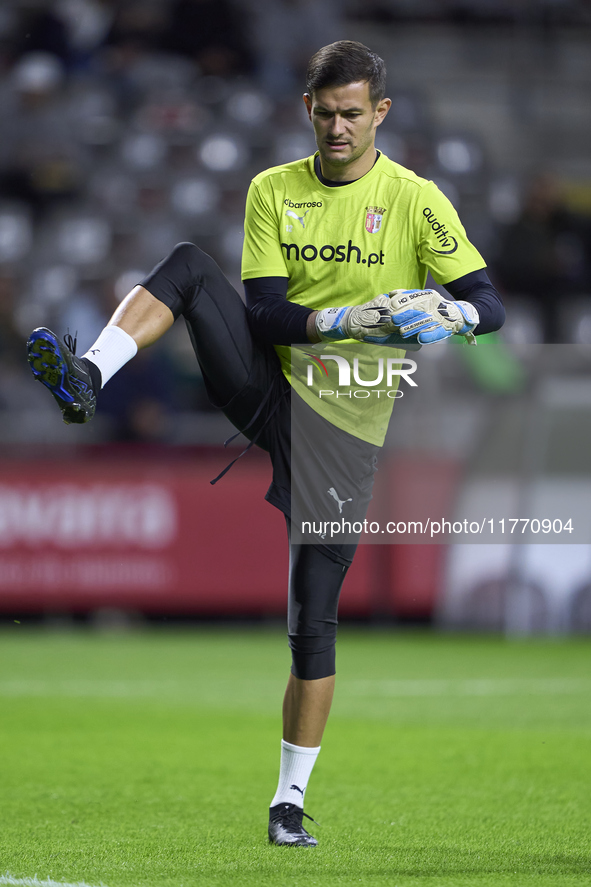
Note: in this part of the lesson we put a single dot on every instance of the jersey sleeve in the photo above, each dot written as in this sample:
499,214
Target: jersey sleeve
443,245
261,253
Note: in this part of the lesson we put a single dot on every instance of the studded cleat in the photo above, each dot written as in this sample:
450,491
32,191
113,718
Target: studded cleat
286,829
54,363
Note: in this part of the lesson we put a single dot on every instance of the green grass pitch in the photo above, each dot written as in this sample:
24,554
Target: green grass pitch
149,759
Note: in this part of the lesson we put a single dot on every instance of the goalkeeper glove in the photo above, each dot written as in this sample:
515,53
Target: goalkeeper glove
430,318
356,322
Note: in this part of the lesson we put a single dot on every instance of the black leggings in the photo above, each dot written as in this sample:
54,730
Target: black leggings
315,582
240,374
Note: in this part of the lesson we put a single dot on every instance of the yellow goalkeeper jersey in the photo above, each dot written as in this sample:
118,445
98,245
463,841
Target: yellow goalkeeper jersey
344,245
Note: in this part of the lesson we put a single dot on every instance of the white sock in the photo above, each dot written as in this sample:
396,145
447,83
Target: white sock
112,350
296,766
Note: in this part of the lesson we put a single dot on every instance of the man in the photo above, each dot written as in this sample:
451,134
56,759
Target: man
323,237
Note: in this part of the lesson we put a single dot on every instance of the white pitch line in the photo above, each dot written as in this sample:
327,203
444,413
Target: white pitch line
35,882
470,687
118,689
123,689
410,687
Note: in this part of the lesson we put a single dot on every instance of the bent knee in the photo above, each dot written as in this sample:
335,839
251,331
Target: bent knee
188,252
189,267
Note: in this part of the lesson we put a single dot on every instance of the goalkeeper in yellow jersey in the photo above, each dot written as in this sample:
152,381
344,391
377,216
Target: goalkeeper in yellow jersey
337,247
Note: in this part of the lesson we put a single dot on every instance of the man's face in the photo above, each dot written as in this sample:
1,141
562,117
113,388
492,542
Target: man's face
345,123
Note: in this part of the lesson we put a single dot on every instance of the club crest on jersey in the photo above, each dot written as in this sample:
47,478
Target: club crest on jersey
373,218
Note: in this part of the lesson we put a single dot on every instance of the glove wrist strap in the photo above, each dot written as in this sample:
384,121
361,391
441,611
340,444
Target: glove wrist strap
331,324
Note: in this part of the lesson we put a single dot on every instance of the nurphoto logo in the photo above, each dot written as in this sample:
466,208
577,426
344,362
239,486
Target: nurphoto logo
389,372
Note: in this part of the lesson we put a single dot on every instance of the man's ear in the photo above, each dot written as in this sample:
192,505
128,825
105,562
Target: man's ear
308,103
382,109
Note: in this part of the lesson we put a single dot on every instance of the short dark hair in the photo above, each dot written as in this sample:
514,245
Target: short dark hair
347,61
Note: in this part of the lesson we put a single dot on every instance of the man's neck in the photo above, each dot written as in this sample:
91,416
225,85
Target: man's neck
350,172
329,176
